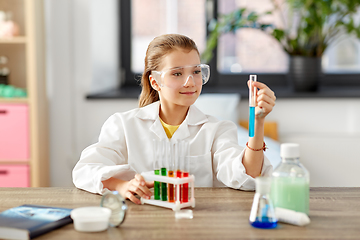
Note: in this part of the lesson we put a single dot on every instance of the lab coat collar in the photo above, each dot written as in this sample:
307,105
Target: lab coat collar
193,118
149,112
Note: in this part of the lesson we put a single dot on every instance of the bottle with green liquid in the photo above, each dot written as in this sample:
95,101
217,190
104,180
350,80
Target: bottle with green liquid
290,181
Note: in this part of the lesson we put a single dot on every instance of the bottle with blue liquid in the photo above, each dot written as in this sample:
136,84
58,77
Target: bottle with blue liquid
262,213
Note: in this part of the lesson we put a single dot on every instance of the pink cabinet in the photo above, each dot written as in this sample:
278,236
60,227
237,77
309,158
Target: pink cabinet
14,176
14,132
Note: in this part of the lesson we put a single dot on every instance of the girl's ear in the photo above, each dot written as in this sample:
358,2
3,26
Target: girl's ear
153,83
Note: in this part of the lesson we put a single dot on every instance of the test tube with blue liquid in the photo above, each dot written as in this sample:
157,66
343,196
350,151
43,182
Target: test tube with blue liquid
252,104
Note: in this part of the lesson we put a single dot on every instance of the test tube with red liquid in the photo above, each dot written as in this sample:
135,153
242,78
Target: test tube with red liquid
171,165
185,149
178,172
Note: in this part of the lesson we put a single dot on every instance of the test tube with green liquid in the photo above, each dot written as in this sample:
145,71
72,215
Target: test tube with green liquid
163,169
156,165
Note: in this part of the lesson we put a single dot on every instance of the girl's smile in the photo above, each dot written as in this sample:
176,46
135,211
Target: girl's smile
188,92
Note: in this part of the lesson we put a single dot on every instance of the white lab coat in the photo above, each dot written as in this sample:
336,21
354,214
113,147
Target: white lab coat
125,148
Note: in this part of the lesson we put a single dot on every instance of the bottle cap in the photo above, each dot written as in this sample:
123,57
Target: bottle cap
290,150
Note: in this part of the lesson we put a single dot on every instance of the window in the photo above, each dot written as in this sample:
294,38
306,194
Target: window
343,56
153,18
237,55
148,19
250,50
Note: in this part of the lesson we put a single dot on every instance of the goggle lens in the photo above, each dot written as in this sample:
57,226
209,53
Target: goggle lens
179,77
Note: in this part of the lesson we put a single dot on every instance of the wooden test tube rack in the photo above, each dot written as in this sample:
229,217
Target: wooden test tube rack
177,205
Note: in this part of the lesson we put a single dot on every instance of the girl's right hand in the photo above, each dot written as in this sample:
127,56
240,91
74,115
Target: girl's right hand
138,186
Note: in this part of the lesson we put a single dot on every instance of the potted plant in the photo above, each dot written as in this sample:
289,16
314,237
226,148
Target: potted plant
308,28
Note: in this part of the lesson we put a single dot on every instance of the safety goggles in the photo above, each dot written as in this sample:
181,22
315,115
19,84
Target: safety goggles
179,76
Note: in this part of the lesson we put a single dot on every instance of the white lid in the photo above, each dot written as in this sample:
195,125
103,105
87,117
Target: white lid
91,219
290,150
187,214
91,213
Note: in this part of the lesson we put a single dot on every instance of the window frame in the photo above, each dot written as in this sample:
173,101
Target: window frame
227,82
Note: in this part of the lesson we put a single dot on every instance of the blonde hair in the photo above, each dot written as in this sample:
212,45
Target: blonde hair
156,51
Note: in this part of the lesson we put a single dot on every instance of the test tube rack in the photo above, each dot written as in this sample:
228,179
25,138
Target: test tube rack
177,205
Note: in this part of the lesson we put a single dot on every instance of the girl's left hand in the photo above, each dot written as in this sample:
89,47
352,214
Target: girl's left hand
265,100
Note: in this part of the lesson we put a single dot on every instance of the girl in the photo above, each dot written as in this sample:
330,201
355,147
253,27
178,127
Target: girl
171,83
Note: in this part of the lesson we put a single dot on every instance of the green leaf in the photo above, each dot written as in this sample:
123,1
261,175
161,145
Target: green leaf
320,23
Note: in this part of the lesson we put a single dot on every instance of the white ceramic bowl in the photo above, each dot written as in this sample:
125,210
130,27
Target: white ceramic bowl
91,219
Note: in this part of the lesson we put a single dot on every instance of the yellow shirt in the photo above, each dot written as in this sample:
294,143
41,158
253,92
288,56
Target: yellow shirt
169,129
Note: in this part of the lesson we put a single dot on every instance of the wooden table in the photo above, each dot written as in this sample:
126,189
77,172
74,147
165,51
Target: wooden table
220,213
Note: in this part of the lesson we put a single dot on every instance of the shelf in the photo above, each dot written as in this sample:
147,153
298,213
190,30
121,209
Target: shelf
133,92
26,54
14,162
14,40
14,100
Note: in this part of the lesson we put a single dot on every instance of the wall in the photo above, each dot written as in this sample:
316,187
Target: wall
75,122
328,132
77,48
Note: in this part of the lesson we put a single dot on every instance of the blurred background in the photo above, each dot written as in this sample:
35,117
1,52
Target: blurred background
94,52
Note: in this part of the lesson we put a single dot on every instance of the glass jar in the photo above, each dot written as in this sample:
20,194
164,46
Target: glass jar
290,181
262,213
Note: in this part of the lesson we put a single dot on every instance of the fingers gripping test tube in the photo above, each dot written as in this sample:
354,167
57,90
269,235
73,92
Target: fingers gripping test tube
252,104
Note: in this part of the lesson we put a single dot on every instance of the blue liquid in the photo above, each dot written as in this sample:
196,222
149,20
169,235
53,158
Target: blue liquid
251,121
264,222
